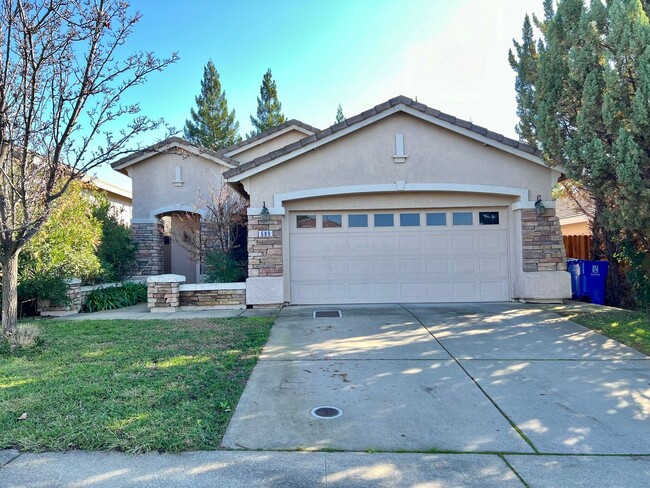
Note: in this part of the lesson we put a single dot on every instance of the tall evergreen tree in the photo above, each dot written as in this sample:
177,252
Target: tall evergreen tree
212,126
269,108
585,102
339,114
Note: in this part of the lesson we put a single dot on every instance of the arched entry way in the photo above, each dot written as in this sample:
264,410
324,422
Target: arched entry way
181,230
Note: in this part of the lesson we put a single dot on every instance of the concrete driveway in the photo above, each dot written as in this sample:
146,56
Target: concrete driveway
469,378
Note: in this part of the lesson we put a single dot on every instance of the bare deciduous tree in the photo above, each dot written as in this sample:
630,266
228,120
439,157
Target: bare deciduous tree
222,223
62,80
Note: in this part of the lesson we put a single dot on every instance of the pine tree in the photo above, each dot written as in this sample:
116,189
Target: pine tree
269,108
339,114
585,102
212,126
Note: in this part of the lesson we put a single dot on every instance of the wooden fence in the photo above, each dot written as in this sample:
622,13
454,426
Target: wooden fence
577,247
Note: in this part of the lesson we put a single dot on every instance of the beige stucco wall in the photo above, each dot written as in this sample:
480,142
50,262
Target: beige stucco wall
577,229
435,155
122,207
398,200
153,182
263,146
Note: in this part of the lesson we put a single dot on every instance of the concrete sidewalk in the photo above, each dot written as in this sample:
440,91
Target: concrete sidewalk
141,312
227,469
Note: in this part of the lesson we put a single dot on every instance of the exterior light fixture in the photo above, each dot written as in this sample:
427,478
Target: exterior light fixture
539,205
264,214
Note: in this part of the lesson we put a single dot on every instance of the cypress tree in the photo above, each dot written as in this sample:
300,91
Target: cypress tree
585,102
269,108
211,125
339,114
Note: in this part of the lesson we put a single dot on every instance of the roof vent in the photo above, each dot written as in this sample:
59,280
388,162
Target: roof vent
325,314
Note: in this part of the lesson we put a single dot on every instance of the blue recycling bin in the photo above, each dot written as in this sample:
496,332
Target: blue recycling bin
594,274
573,267
588,280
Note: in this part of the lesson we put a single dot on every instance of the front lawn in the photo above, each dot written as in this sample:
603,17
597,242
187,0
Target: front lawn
127,385
625,326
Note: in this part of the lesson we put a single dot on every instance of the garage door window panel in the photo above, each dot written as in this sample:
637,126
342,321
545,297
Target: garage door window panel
384,220
333,221
306,221
358,220
409,220
436,219
462,218
488,218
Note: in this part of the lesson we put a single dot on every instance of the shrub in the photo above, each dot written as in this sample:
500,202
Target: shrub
41,286
123,295
26,336
66,244
116,251
221,267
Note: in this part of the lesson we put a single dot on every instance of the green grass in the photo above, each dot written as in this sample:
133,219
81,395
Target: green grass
132,386
628,327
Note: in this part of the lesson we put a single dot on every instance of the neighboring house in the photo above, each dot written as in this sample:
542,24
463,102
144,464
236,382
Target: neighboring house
120,198
573,219
401,203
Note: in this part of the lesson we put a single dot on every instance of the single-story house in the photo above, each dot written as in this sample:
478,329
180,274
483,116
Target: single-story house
120,199
401,203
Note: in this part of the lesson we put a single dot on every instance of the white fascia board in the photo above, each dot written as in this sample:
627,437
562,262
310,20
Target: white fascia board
370,120
270,137
194,150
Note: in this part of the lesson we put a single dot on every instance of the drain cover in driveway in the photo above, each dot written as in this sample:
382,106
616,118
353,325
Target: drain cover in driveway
321,314
327,412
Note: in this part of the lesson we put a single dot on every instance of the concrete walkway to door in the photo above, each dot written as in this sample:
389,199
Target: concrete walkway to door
504,378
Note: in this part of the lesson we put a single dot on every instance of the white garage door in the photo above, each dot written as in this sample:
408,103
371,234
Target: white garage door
455,255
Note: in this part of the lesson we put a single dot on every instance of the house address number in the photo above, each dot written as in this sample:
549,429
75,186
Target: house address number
266,233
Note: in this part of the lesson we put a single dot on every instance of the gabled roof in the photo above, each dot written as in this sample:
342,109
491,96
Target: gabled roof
293,123
392,106
166,144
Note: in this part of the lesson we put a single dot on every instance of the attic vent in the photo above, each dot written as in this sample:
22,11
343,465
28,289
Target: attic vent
323,314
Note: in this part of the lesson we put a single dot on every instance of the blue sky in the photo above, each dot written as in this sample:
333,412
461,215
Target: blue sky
450,54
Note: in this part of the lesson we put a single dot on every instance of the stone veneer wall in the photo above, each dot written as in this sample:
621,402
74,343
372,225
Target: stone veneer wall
264,253
543,247
163,293
209,295
150,255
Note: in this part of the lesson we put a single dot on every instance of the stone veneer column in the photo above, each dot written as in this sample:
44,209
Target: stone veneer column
265,282
542,243
265,253
163,293
148,235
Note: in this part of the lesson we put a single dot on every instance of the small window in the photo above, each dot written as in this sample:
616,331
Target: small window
330,221
439,218
463,218
306,221
358,220
488,218
384,220
409,219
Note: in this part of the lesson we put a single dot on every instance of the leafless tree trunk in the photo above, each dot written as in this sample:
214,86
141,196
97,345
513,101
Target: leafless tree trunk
62,80
10,294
